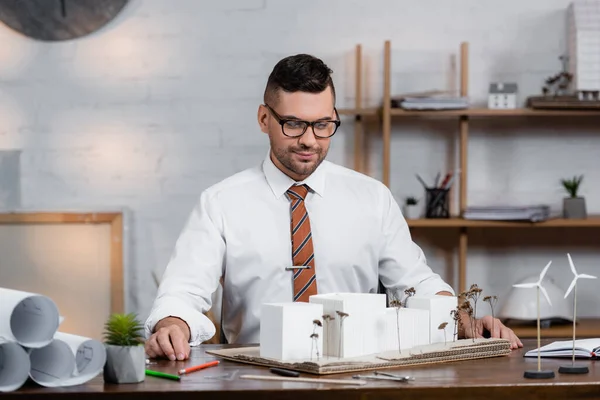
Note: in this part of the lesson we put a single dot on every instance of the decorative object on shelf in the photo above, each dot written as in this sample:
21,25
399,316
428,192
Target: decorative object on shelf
56,20
411,211
556,93
583,46
558,84
125,355
574,369
539,373
502,95
573,206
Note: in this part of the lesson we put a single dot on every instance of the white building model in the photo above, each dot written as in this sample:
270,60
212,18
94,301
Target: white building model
364,322
583,42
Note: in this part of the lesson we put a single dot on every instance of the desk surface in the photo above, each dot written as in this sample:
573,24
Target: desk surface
495,378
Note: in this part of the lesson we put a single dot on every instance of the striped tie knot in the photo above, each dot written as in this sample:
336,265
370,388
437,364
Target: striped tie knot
298,192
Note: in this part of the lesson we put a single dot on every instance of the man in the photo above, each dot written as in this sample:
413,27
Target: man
294,226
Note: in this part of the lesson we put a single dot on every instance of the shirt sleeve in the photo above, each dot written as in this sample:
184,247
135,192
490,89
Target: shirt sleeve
402,263
192,274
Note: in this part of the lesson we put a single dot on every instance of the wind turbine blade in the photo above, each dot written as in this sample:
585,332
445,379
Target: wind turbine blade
544,272
545,294
525,285
573,282
586,276
571,264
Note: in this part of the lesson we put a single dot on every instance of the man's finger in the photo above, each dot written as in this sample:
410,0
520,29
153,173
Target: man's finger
152,347
179,344
164,341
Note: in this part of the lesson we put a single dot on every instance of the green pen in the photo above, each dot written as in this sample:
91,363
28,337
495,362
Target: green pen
162,375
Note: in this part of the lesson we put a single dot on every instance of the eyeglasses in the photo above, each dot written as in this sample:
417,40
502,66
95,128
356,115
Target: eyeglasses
295,128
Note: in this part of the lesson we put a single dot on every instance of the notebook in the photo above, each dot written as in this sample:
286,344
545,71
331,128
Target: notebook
584,348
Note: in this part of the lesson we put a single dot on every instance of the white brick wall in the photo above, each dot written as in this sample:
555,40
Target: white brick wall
162,103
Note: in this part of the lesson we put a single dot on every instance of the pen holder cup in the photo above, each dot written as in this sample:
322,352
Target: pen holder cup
437,203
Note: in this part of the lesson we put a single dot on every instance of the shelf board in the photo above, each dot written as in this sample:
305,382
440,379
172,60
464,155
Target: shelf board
486,112
586,327
590,222
367,112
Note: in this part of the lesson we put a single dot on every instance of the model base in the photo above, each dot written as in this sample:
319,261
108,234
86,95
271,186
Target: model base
535,374
573,369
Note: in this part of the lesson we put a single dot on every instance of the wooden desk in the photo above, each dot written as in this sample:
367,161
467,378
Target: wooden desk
496,378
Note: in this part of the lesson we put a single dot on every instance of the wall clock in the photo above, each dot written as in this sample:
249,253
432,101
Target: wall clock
55,20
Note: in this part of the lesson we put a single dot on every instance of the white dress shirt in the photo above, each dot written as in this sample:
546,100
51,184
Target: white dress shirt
240,230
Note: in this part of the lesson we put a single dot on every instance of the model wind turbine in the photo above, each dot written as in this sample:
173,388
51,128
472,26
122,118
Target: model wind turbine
539,374
574,369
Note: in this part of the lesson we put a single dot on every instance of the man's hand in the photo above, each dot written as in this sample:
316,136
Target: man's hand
496,328
170,339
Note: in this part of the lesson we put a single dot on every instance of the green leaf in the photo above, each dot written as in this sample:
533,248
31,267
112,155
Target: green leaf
572,185
123,330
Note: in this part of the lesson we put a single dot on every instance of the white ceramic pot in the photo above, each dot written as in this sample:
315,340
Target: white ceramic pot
412,212
124,364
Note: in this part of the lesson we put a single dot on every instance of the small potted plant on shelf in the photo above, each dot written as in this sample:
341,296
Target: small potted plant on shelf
573,206
125,355
411,211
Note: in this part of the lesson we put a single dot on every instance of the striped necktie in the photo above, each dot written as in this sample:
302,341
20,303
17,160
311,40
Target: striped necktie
305,283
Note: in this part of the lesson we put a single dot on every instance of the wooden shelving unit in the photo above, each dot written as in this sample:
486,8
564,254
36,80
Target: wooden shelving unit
385,114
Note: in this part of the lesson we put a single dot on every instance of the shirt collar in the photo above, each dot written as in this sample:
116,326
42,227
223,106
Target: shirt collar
280,182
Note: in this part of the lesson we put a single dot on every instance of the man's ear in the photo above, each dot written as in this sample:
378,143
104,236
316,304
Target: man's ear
263,118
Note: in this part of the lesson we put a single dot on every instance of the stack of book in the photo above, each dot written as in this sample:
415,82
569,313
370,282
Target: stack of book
534,213
432,100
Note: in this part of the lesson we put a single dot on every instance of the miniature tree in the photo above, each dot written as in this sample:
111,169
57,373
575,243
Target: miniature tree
473,294
492,300
315,336
409,293
467,309
456,317
314,344
443,326
397,304
342,316
327,318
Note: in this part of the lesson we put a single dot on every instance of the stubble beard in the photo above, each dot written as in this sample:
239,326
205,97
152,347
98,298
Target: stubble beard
285,157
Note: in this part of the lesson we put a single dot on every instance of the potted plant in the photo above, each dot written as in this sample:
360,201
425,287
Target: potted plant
411,211
573,206
125,355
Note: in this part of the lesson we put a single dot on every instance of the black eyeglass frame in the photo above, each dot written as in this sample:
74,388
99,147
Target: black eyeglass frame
282,121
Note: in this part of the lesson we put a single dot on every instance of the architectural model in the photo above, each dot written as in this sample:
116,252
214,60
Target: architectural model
342,325
583,43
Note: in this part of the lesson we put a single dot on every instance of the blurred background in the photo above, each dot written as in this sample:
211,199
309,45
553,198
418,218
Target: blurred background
141,115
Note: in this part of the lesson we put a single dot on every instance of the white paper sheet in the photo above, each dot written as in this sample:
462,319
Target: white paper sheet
69,360
14,365
29,319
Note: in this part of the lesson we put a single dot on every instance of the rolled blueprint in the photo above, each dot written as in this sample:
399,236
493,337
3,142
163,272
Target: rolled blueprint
69,360
27,318
14,366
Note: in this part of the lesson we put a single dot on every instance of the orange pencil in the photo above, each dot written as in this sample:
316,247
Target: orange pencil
198,367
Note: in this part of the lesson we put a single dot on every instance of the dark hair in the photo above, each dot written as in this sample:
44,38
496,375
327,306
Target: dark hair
298,73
